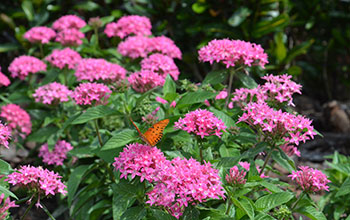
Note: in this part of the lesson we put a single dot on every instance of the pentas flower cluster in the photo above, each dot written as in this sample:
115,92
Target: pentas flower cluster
236,177
92,69
161,64
91,94
222,95
246,166
145,80
21,66
201,122
65,58
5,135
68,22
233,52
4,80
5,205
127,25
310,180
139,160
293,129
58,155
17,119
164,45
70,37
181,182
68,30
41,35
53,93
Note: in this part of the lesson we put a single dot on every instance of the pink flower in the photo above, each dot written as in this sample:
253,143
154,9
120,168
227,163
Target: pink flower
70,37
164,45
290,150
221,95
246,166
151,119
233,52
181,182
134,47
207,103
5,205
58,155
310,180
139,160
127,25
161,100
23,65
4,81
91,94
92,69
52,93
18,120
236,177
65,58
161,64
5,135
68,22
173,104
202,123
41,35
145,80
45,182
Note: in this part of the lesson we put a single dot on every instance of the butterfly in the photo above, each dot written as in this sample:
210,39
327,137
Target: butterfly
153,135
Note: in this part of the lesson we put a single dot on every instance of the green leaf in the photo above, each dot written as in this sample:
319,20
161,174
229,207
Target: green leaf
191,213
344,189
263,216
195,97
99,111
229,122
252,152
169,85
239,16
43,134
160,215
268,202
4,48
107,19
28,9
294,70
74,181
86,6
215,77
343,168
228,162
5,168
270,186
245,206
285,163
247,81
281,50
267,26
120,139
311,212
298,50
199,7
136,213
228,152
7,192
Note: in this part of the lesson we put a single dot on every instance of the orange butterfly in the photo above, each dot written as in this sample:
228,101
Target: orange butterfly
153,135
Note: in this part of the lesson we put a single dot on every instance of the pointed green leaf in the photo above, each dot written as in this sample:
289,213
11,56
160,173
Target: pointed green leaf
195,97
268,202
344,189
245,206
229,122
311,212
276,155
99,111
74,181
7,192
169,85
120,139
247,81
5,167
215,77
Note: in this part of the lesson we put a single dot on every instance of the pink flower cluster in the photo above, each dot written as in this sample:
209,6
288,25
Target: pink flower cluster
292,128
151,118
70,37
4,80
53,93
92,69
222,95
41,35
5,135
181,182
17,119
58,155
310,180
233,52
65,58
201,122
145,80
5,205
166,46
44,181
23,65
91,94
68,22
246,166
236,177
161,64
127,25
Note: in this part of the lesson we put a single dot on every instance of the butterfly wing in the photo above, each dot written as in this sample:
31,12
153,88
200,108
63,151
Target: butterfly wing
153,135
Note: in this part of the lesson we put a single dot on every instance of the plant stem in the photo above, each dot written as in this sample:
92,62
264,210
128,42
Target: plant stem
232,73
266,160
298,200
47,211
41,50
96,35
98,133
229,207
27,210
65,72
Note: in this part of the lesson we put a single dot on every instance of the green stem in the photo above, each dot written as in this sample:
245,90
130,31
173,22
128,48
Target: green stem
98,133
232,73
47,211
228,207
65,72
96,35
41,50
298,200
266,160
200,146
27,210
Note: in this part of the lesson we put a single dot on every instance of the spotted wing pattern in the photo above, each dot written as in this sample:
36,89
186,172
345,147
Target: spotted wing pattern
153,135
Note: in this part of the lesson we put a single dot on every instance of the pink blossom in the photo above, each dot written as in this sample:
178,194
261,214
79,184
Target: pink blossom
70,37
134,47
173,104
92,69
236,177
164,45
161,100
233,52
145,80
41,35
161,64
5,135
222,95
202,123
309,179
139,160
52,93
151,118
65,58
17,119
181,182
127,25
91,94
57,155
45,182
4,80
5,205
68,22
246,166
290,150
207,103
23,65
